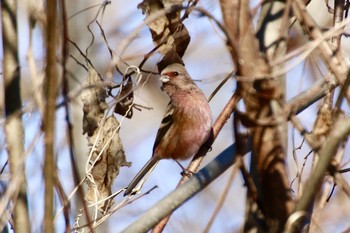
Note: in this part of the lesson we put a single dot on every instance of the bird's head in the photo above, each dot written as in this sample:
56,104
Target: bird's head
177,76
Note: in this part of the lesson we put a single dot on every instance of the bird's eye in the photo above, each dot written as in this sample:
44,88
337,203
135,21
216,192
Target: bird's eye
176,73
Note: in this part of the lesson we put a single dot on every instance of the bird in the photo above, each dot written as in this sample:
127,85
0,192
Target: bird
186,125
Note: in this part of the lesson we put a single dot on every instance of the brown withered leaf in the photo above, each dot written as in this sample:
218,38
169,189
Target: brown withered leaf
169,58
125,98
107,161
181,38
323,123
167,30
94,104
108,153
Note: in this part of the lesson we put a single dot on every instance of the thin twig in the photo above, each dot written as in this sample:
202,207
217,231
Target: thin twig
222,198
65,89
340,131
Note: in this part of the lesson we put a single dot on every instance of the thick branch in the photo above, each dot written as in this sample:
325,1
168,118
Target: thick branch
13,104
176,198
268,167
49,114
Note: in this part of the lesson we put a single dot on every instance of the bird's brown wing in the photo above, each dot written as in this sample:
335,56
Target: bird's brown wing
165,125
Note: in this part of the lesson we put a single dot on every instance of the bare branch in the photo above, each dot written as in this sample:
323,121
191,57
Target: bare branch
49,114
340,132
13,104
195,184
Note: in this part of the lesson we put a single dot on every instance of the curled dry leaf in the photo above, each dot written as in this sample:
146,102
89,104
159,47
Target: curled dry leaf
107,153
167,30
324,122
125,98
94,104
108,156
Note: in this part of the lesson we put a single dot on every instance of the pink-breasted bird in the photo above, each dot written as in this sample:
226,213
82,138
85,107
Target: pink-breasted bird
186,124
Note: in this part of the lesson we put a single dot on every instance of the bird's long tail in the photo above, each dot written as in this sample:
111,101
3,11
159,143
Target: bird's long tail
142,175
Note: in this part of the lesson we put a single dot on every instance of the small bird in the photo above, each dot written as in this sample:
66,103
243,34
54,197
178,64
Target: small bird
186,124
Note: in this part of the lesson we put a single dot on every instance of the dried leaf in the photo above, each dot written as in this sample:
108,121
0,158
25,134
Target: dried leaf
125,98
167,30
108,153
107,160
94,104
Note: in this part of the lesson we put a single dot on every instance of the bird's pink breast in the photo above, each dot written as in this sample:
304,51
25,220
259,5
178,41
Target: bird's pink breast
191,128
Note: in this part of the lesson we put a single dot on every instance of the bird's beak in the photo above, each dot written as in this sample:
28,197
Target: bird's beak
164,78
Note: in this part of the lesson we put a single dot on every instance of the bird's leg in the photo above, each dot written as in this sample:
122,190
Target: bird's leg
185,172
